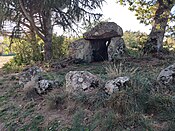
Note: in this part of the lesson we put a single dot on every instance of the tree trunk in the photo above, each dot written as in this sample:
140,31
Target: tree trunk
48,47
48,35
154,43
35,48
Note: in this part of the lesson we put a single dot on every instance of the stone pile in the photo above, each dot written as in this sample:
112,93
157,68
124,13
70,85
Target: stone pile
31,79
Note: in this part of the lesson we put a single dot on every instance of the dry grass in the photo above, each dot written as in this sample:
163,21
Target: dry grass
4,59
137,108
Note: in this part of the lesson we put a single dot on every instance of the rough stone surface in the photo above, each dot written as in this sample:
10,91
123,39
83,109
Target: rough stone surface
116,48
28,73
115,85
167,75
81,49
41,86
104,30
77,81
44,85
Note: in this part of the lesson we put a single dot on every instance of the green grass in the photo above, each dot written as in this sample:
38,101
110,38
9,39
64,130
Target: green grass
143,105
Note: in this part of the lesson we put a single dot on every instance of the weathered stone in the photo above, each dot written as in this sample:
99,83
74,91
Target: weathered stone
167,75
115,85
43,85
116,48
104,30
77,81
81,49
28,73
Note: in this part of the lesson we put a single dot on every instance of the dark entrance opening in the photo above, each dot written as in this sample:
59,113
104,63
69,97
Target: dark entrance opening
100,49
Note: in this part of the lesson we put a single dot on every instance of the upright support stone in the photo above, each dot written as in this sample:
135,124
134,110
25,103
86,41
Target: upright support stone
116,48
81,49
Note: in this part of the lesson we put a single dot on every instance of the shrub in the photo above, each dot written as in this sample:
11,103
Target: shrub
60,46
119,69
12,66
134,42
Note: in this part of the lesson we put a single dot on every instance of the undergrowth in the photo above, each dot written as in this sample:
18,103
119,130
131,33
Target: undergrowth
143,105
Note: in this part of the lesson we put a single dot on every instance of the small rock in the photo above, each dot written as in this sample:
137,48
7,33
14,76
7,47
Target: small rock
167,75
28,73
117,84
43,85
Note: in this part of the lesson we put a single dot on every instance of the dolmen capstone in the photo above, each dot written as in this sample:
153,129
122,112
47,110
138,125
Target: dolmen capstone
103,42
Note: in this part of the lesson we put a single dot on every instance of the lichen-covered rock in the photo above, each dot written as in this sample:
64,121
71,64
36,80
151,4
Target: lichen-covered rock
41,86
81,49
167,75
77,81
104,30
117,84
28,73
116,48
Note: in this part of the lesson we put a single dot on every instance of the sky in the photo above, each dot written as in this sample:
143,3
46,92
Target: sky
119,14
123,17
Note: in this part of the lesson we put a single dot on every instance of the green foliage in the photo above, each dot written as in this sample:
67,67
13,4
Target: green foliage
169,43
60,46
28,52
145,11
48,13
12,66
140,106
134,42
4,46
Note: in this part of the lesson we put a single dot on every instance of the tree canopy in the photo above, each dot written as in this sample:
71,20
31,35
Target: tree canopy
158,13
40,16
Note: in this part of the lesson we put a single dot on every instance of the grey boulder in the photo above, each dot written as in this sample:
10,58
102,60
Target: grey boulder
104,30
79,81
167,75
116,85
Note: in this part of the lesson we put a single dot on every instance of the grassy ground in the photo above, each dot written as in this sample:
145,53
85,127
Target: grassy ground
144,105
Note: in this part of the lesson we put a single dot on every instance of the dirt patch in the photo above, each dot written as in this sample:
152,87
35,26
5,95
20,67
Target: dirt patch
4,59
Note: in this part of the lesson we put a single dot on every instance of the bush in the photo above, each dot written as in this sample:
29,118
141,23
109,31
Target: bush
60,46
134,42
29,51
12,66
